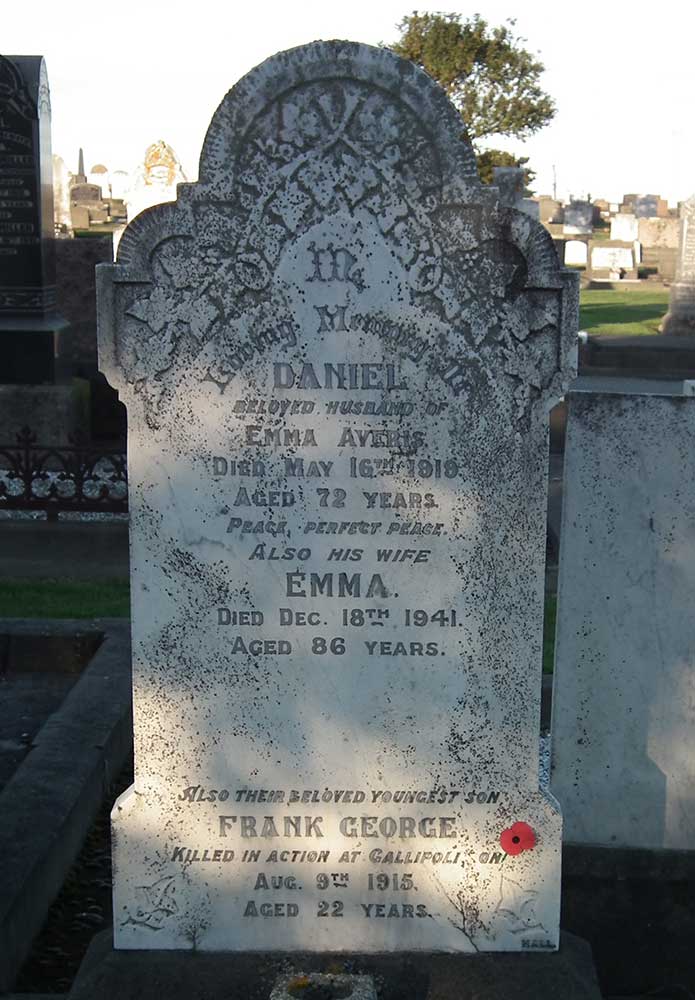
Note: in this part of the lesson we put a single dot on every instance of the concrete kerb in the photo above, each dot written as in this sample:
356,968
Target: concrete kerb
49,804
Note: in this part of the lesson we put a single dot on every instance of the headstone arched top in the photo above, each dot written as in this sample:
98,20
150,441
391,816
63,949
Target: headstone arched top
329,130
314,96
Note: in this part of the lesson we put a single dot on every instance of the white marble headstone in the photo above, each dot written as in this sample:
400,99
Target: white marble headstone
680,319
155,179
623,744
120,184
576,252
61,194
338,352
624,227
612,258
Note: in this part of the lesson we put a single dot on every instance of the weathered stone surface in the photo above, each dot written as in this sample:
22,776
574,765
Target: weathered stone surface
511,184
680,318
660,233
338,351
623,763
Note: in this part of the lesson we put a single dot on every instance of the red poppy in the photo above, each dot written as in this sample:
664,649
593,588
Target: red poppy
519,837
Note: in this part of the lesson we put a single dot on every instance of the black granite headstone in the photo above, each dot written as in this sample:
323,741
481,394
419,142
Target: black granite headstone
29,322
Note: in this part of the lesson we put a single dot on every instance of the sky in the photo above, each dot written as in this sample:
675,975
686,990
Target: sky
123,75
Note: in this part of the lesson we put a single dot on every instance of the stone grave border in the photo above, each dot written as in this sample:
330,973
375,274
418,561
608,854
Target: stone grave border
50,802
150,975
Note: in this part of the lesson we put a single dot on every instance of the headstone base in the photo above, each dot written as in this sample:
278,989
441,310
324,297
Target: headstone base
151,975
52,412
679,323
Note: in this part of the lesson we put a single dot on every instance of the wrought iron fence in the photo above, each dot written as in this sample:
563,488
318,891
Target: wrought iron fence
79,476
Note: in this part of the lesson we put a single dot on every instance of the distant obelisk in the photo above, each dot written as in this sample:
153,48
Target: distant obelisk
81,177
679,321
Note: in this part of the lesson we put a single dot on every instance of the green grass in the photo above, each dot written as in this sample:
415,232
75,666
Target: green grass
61,599
549,619
622,313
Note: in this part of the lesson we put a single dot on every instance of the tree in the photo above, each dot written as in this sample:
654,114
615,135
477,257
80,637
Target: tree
487,73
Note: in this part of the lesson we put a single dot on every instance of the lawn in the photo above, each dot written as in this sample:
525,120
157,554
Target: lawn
622,313
64,599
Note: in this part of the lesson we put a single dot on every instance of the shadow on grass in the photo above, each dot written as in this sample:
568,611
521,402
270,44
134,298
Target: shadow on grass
636,312
619,314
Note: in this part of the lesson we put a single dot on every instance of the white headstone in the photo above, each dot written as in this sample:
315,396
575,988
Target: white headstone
61,194
155,180
612,258
624,227
680,319
338,352
575,252
623,740
120,184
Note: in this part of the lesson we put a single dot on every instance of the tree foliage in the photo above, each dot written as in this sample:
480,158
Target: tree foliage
487,73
